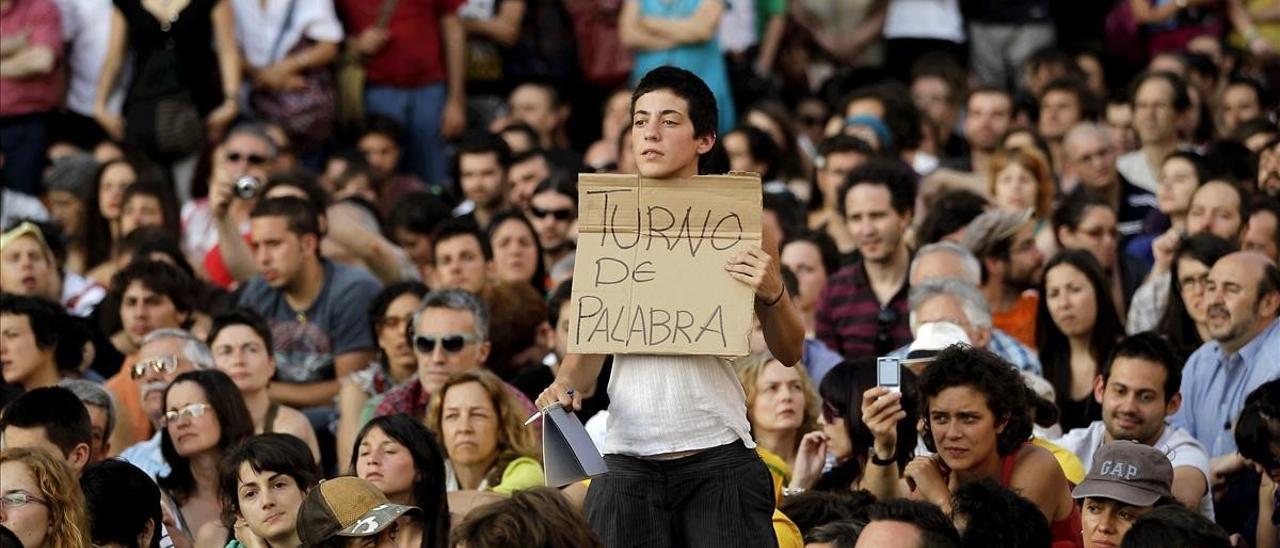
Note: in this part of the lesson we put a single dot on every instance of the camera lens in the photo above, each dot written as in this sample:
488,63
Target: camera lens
247,187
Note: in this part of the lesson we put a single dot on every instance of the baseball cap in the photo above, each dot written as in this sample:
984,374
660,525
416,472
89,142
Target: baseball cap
346,507
1129,472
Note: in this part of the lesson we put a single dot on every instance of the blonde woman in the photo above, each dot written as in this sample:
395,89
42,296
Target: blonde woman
42,503
481,426
1021,179
782,407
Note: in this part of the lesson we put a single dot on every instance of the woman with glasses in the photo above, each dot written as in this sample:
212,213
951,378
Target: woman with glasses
977,425
843,433
241,344
517,253
1087,221
204,417
390,318
1077,326
1185,320
400,457
482,428
781,406
40,500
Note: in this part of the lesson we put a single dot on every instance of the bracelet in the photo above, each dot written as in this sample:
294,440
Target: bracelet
775,299
789,491
876,460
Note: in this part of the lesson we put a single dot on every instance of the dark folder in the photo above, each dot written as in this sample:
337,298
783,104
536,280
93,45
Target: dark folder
568,454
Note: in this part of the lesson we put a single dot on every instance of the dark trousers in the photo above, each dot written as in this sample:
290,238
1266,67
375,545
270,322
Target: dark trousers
23,140
720,497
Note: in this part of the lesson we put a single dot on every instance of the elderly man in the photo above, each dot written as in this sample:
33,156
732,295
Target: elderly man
450,335
165,354
944,281
1090,155
102,414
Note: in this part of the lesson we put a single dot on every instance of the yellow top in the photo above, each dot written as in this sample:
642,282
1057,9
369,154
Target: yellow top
1070,463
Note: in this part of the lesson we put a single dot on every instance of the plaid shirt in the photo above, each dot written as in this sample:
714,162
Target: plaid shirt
410,399
1148,304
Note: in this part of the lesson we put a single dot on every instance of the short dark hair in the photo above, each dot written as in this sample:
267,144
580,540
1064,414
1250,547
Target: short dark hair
106,486
1266,204
1195,159
1181,97
1243,210
560,182
989,90
900,115
936,531
58,410
157,276
560,295
460,227
811,509
45,317
1085,98
525,156
1258,90
300,216
999,383
1253,435
303,180
419,213
1071,210
826,247
233,419
477,143
1174,526
1149,346
762,149
241,315
703,111
1253,126
839,534
997,517
896,177
386,126
950,212
272,452
539,517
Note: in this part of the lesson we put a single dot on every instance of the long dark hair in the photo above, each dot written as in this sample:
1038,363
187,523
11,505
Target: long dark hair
841,389
428,461
233,419
539,279
378,309
1176,324
1054,355
95,230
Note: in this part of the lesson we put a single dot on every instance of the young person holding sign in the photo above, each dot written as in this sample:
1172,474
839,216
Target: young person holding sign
682,471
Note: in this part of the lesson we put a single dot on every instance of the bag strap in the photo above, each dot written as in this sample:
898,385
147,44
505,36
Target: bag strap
284,28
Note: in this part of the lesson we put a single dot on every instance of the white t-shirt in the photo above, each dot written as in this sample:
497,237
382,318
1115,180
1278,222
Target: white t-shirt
934,19
671,404
258,27
85,26
1134,167
1176,443
737,30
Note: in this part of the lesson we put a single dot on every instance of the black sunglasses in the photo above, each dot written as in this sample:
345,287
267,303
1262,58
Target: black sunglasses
253,159
559,214
426,344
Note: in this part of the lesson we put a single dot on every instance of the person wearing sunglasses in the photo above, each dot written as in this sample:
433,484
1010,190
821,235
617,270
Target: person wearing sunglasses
40,500
450,335
553,209
204,418
165,354
248,151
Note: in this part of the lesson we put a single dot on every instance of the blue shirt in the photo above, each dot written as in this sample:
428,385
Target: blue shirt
1003,345
703,58
1214,387
819,359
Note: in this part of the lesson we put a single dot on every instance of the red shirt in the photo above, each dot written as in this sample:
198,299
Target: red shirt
40,19
413,55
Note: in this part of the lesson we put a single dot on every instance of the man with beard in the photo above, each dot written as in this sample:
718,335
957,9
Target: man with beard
553,210
482,174
165,354
1269,169
1004,242
1243,296
1138,389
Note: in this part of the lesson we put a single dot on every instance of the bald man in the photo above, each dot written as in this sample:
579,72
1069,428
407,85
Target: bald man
1243,298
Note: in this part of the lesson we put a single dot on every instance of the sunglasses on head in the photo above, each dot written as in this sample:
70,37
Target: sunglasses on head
559,214
253,159
453,343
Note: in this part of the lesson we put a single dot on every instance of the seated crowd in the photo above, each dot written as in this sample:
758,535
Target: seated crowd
227,324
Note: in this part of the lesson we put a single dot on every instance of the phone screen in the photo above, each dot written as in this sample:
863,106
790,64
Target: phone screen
888,372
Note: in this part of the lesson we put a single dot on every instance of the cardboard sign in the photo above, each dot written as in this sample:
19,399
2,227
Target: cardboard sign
649,277
568,454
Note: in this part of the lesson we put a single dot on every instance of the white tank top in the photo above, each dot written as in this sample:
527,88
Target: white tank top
670,404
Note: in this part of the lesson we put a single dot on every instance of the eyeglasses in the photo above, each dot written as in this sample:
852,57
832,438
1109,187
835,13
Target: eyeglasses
397,323
253,159
453,343
193,411
1195,283
829,412
559,214
18,499
161,365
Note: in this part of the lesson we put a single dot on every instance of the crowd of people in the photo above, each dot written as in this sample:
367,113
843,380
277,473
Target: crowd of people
281,273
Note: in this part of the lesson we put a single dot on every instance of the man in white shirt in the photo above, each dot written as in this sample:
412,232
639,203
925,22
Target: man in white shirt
1159,100
1138,389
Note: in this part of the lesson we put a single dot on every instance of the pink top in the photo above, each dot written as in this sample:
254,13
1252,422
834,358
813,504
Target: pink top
40,20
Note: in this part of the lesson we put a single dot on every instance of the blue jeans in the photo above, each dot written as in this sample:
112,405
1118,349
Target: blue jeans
419,111
23,140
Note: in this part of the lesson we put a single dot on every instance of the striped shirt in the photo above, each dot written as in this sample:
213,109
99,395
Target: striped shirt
851,320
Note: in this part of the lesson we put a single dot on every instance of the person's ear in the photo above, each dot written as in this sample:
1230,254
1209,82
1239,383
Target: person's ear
79,456
310,242
705,142
1064,235
148,531
482,352
1175,403
983,338
1099,387
1269,305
